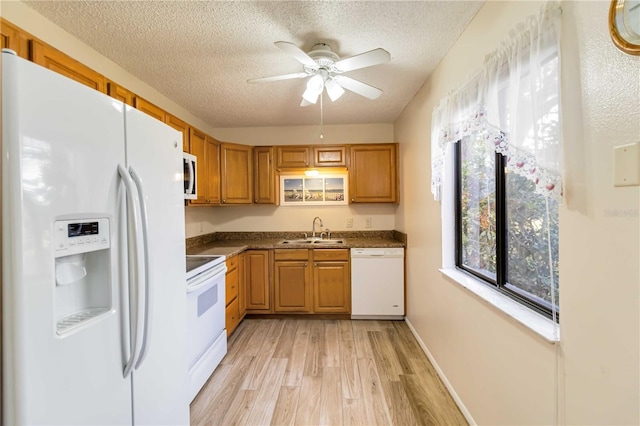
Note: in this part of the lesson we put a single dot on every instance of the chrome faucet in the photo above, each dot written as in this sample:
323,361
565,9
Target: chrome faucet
313,230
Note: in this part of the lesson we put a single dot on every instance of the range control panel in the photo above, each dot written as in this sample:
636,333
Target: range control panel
80,236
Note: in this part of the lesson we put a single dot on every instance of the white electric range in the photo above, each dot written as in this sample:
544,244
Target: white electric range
206,334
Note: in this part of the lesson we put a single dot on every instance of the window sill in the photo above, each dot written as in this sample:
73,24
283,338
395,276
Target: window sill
535,322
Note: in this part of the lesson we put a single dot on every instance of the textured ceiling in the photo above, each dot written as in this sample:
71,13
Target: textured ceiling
200,54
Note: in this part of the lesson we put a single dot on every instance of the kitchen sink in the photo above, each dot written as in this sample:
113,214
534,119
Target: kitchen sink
312,242
296,242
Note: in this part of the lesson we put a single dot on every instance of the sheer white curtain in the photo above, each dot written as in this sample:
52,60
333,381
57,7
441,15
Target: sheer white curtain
513,104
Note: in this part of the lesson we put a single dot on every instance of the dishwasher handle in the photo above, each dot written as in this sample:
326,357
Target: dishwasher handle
393,252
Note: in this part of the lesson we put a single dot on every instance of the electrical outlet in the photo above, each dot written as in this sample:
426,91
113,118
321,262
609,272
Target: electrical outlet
367,222
349,223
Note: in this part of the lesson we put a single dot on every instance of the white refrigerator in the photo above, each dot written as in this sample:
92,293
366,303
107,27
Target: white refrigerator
94,300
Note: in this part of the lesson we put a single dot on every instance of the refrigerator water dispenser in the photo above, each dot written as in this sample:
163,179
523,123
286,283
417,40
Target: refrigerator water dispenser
83,272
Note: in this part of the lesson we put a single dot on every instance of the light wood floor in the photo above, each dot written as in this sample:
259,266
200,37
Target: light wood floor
324,372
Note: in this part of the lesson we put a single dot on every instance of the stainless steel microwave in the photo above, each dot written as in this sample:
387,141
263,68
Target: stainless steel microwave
190,166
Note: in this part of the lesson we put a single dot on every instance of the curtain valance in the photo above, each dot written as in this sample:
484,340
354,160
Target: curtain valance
513,103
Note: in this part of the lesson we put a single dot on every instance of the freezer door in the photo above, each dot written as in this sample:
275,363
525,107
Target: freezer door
154,157
63,344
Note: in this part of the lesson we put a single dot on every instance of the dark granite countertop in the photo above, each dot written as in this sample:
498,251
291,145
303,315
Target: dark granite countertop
232,243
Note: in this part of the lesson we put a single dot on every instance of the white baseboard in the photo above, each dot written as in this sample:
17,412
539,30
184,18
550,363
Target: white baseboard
447,384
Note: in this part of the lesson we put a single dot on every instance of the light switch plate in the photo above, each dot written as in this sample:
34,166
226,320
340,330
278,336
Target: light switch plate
349,222
626,165
367,222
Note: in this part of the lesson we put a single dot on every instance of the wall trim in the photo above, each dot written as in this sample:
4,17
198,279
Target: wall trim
465,412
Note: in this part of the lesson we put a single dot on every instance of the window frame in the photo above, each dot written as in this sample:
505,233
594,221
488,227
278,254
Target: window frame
500,283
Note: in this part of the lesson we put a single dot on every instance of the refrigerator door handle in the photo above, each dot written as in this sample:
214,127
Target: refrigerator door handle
134,271
144,220
192,177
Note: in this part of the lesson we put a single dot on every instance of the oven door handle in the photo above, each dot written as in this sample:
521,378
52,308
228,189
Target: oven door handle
204,279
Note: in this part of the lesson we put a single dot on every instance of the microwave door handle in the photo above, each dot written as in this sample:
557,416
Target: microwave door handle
192,177
134,270
146,290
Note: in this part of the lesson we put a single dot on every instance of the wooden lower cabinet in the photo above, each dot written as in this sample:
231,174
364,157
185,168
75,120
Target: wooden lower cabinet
257,293
242,284
292,281
312,281
232,316
232,284
331,281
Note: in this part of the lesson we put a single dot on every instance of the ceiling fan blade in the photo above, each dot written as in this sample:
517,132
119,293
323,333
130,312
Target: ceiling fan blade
305,103
363,60
279,77
358,87
296,52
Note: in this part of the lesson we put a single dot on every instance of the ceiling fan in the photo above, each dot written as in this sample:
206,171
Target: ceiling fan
325,68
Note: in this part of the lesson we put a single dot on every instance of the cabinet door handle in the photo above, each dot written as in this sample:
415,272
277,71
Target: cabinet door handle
353,200
224,201
316,265
306,264
255,201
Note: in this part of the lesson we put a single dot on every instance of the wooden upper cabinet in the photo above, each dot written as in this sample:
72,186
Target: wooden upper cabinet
57,61
180,126
329,156
207,151
373,173
15,39
236,175
264,180
197,145
212,170
149,108
120,93
292,157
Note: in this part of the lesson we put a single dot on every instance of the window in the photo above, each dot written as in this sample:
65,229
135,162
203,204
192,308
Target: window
506,232
496,164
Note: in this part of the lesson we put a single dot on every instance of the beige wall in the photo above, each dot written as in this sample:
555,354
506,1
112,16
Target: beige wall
333,134
503,373
204,220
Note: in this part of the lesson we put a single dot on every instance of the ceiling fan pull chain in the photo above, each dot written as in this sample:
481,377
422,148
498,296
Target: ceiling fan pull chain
321,118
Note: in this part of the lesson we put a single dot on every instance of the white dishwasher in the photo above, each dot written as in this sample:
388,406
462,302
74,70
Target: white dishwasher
377,283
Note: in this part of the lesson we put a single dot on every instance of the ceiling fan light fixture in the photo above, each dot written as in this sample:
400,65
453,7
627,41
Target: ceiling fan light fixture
316,83
334,90
311,95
